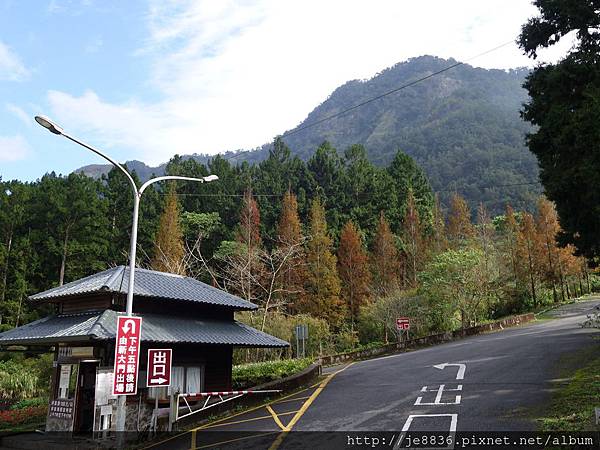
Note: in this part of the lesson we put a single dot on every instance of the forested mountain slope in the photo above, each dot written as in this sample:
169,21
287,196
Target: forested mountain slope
462,126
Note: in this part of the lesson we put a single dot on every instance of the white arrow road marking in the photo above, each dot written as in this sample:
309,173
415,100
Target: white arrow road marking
128,325
461,369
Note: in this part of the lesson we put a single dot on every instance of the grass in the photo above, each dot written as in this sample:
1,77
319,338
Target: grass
572,406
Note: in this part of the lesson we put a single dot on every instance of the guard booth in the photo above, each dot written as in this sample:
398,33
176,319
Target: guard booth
192,318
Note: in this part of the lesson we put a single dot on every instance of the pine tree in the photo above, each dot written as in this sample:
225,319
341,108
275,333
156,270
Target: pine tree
412,237
169,251
289,234
460,227
385,262
322,285
353,270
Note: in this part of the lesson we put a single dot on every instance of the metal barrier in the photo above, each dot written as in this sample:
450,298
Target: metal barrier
223,397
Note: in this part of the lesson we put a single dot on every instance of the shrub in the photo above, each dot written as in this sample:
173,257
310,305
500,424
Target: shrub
38,401
247,375
14,417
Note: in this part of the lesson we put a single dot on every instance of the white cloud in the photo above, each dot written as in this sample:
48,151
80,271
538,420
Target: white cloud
11,67
233,74
19,113
13,148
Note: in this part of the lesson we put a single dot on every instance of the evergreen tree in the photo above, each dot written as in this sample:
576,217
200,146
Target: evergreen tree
565,110
169,252
353,270
322,287
408,176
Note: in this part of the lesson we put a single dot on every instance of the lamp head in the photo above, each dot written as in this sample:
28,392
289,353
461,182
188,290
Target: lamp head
49,125
210,178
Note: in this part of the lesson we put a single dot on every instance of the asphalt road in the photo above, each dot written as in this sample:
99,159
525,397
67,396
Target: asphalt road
508,376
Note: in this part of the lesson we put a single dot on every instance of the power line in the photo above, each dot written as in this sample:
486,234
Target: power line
380,96
393,91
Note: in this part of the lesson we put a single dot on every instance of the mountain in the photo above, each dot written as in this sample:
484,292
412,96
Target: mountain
462,126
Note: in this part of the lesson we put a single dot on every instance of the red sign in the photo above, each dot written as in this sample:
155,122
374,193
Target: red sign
402,323
159,367
127,355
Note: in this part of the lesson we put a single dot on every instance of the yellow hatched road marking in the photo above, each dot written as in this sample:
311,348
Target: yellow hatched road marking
290,400
276,418
245,420
303,409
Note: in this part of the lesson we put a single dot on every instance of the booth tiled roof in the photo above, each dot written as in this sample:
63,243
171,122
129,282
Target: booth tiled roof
148,283
101,325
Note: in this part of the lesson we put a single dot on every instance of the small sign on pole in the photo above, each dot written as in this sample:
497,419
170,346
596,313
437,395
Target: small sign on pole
402,323
127,355
159,367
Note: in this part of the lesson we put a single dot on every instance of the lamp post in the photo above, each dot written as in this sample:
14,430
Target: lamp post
137,194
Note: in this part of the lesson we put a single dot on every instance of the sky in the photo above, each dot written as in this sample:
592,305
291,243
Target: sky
147,79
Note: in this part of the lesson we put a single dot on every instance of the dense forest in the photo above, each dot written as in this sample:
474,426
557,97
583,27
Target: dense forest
462,127
336,242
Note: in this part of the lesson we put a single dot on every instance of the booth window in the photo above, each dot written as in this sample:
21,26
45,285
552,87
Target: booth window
185,380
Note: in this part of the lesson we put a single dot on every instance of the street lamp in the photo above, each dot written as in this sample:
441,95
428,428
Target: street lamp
137,194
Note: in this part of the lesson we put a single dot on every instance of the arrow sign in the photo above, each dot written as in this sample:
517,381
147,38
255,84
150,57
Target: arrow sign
129,325
461,369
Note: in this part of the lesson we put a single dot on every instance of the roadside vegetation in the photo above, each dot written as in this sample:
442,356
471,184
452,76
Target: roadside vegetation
253,374
572,406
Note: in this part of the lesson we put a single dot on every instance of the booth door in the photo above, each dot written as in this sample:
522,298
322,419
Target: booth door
84,414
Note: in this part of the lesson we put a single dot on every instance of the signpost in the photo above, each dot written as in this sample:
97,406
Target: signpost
127,355
402,324
159,367
301,333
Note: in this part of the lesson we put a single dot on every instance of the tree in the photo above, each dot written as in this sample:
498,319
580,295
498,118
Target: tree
289,235
385,262
565,110
485,233
408,176
322,287
456,282
353,271
527,252
460,227
169,249
548,228
412,238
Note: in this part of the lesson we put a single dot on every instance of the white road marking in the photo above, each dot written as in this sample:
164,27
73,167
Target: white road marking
461,369
438,397
453,420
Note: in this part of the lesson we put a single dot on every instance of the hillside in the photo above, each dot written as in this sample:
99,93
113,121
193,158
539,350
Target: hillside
463,127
